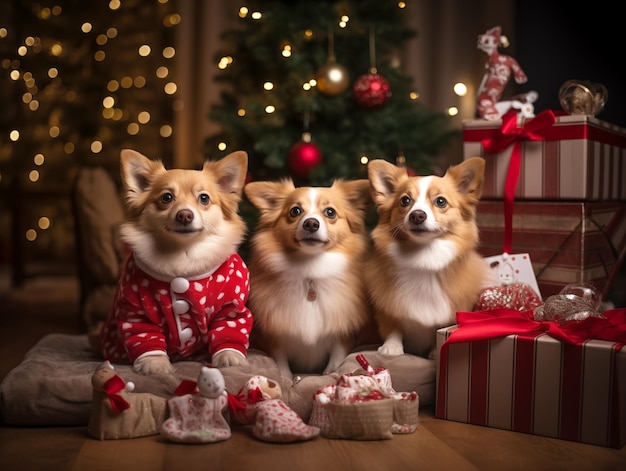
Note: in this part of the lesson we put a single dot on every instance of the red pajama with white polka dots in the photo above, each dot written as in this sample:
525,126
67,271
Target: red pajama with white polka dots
180,316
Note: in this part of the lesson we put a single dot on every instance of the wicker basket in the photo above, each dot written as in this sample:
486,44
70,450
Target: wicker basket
367,420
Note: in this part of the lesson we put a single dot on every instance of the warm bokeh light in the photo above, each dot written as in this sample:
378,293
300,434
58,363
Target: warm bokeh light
453,111
170,88
460,89
166,130
132,129
96,147
143,117
162,72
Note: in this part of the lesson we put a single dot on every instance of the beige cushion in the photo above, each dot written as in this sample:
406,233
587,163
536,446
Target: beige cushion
52,385
99,213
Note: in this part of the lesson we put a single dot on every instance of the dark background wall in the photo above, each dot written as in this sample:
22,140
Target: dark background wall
557,41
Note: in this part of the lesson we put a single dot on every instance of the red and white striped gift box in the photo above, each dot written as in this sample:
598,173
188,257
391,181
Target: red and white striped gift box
567,241
533,383
581,157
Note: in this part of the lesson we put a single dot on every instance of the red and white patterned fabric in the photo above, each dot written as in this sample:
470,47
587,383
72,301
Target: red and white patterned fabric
194,418
178,316
258,403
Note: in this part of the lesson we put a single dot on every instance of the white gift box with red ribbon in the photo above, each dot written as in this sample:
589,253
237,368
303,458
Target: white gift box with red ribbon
579,157
534,383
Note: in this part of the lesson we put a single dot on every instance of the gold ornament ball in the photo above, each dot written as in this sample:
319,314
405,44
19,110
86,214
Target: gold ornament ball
332,79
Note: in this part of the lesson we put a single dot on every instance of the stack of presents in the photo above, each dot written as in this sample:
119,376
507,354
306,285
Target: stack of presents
568,213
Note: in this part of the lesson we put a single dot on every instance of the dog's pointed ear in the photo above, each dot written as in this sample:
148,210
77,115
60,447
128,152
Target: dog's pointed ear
384,178
469,176
231,172
268,196
358,192
137,172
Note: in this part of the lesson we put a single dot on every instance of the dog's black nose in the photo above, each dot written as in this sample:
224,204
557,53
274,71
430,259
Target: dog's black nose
311,225
417,217
184,216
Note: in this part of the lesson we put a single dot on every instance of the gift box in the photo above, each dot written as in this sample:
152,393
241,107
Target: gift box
568,242
533,383
578,157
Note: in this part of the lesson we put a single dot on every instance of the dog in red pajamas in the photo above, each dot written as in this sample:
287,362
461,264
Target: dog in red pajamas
183,290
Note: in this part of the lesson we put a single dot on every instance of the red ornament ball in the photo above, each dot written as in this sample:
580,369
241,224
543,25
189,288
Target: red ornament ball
303,158
371,90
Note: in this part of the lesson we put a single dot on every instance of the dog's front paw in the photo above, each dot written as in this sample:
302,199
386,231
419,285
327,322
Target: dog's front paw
226,358
153,364
391,349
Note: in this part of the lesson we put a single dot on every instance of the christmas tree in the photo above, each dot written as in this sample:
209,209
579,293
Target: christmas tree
80,81
315,89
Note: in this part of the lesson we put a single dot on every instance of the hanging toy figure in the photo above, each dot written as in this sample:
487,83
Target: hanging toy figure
499,67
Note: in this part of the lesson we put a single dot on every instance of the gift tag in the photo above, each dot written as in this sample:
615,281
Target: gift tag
514,268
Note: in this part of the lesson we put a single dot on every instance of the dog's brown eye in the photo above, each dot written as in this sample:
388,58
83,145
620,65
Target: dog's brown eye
405,201
295,211
167,198
441,202
330,213
204,199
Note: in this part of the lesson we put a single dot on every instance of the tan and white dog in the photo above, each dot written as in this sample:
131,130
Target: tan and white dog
306,288
183,289
424,267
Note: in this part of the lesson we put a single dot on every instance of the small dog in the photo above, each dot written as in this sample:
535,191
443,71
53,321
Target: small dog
307,294
424,267
183,289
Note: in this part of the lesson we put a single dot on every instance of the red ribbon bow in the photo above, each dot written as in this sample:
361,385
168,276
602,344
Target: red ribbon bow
186,386
112,388
481,325
511,134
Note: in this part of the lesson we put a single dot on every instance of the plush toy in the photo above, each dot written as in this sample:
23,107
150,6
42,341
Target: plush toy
259,403
197,415
117,412
500,68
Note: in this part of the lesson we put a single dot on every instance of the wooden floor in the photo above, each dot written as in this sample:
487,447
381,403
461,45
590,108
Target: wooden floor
49,305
